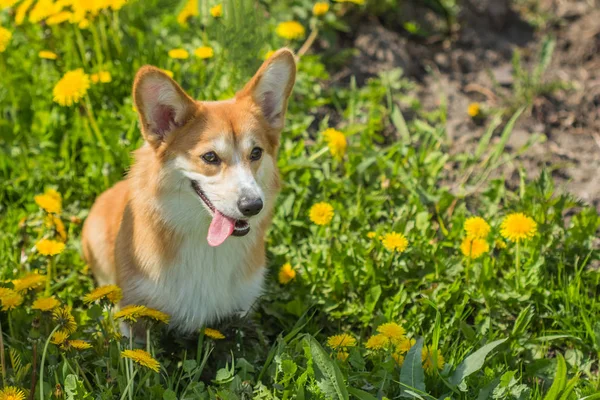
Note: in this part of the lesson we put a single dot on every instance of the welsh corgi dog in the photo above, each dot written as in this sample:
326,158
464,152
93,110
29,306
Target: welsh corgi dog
184,233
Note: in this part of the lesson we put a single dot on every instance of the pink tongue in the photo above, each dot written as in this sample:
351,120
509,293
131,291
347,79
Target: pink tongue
220,229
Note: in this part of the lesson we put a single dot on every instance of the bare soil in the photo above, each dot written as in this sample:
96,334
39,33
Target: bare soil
474,64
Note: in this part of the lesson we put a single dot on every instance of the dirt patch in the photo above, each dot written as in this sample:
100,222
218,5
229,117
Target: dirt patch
475,65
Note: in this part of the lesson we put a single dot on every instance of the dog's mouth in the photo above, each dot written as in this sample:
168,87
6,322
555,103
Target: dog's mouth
221,226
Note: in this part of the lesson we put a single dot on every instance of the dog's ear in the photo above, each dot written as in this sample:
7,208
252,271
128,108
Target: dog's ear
272,85
162,104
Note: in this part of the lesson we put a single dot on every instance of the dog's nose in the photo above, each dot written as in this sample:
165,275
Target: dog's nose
250,206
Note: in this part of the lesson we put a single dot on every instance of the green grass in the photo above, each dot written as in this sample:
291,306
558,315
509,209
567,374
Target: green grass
502,336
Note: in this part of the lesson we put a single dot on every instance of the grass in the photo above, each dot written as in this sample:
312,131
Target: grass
487,331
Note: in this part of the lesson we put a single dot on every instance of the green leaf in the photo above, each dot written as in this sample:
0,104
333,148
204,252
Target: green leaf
569,388
560,379
372,298
327,373
523,321
486,391
169,395
411,374
400,123
474,362
595,396
506,133
74,389
361,394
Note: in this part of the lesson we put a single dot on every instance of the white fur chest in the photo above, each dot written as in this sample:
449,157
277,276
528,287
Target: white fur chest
203,285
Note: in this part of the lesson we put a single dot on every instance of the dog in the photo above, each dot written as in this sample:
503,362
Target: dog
184,232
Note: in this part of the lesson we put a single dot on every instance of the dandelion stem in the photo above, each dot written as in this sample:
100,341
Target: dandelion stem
131,372
97,45
467,269
95,129
115,31
318,154
44,360
49,275
199,347
518,267
2,362
309,41
85,379
127,388
10,325
80,46
148,350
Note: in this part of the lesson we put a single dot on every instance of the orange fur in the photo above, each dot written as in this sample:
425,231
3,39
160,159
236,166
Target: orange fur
130,235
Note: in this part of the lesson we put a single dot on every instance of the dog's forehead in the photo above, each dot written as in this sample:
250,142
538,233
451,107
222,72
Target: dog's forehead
231,115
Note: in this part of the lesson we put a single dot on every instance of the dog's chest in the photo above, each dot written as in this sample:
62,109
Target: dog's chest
204,284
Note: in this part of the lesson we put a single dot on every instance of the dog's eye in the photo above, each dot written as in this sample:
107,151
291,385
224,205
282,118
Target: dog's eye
211,157
256,154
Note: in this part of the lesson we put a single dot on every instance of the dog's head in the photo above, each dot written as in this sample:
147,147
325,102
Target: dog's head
224,152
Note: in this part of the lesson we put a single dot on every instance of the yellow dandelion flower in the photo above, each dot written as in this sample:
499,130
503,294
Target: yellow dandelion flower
45,304
179,54
63,317
342,355
189,10
392,331
518,226
217,11
12,393
11,300
5,36
321,213
500,244
371,235
269,54
213,334
79,344
290,30
48,247
22,11
102,76
474,110
84,24
428,362
204,52
29,281
142,358
71,88
169,73
286,273
116,4
4,291
111,292
395,242
399,358
50,201
377,342
477,228
156,315
130,313
7,3
320,9
59,18
474,248
59,337
404,345
60,227
341,341
42,10
48,55
336,141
